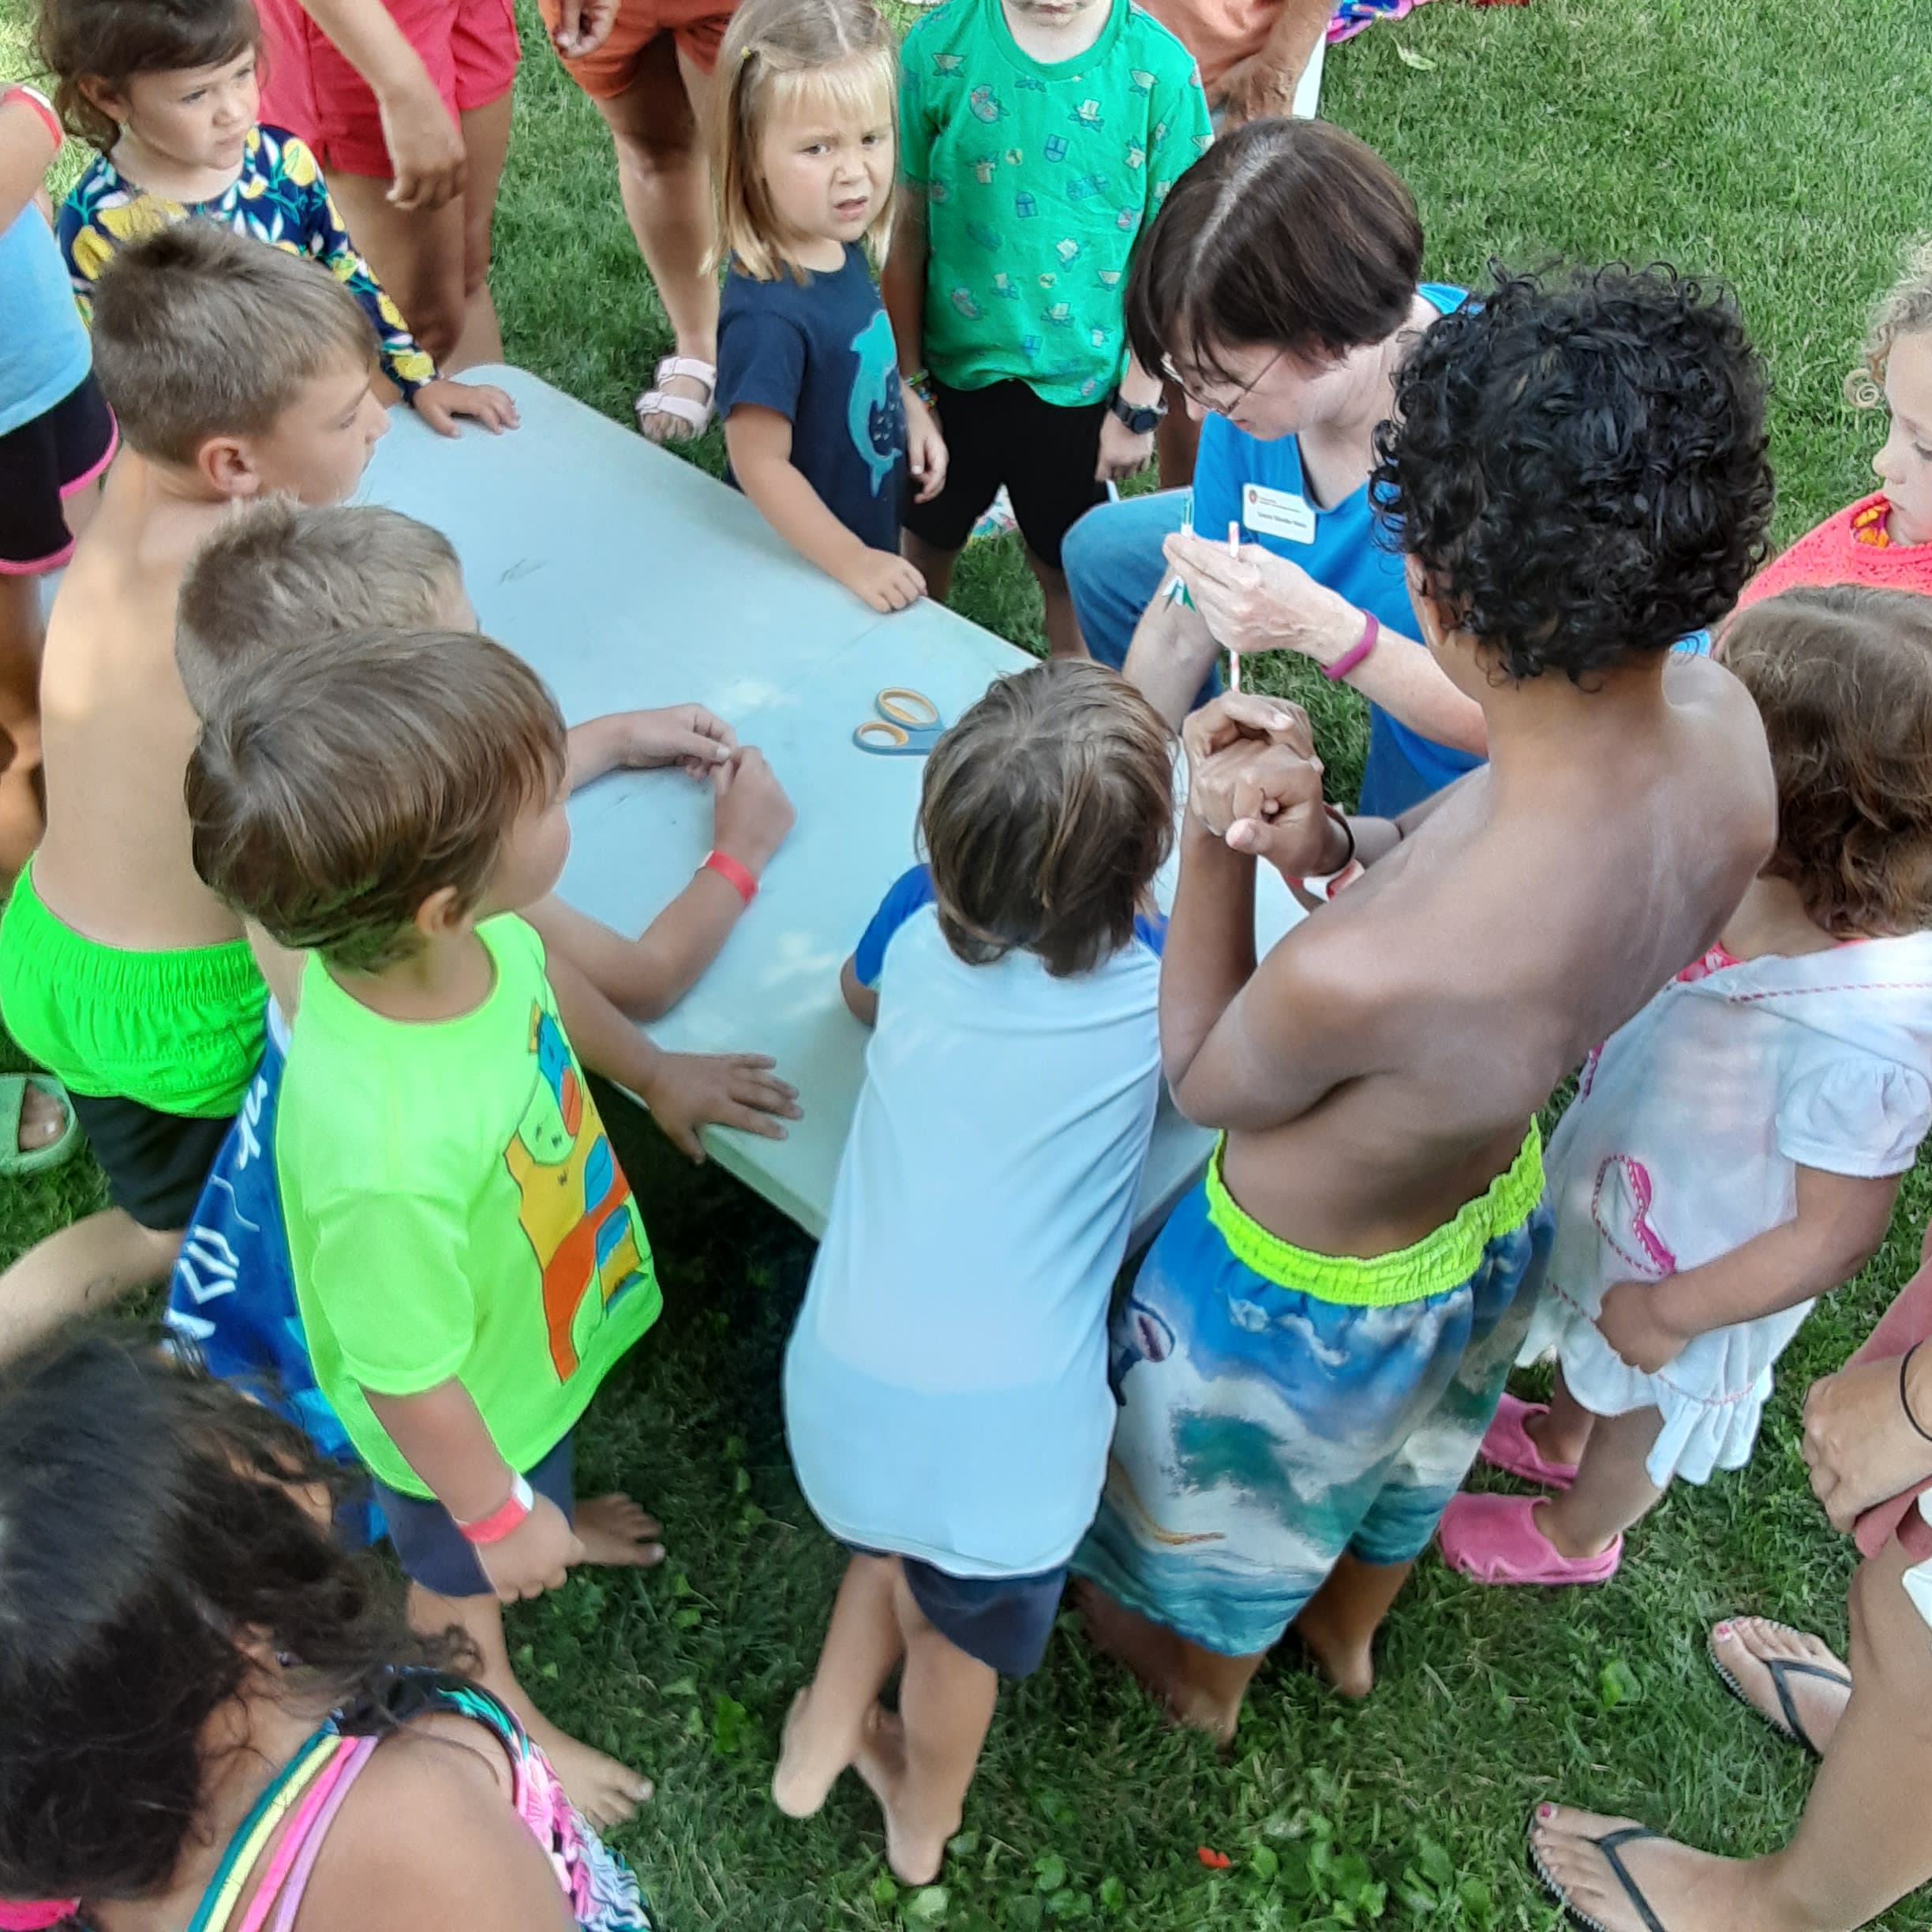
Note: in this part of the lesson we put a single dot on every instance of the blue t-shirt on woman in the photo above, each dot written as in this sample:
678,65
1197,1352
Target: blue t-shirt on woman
1241,478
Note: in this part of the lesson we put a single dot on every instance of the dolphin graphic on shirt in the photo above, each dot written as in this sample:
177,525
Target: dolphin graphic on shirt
872,409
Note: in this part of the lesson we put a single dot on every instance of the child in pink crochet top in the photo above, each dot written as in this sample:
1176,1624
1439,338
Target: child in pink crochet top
1886,539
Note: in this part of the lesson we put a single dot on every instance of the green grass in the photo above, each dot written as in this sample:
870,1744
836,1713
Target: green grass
1779,144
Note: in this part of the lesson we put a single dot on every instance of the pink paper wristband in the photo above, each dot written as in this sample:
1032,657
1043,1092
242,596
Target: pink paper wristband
1372,632
505,1517
741,879
36,1915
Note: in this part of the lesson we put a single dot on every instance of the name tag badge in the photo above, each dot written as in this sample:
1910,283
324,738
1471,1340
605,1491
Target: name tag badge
1277,513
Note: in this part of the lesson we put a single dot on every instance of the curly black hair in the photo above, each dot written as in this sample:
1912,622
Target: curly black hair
1577,463
150,1527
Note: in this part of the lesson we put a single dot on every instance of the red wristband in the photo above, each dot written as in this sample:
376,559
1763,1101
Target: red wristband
741,879
40,103
508,1515
1372,632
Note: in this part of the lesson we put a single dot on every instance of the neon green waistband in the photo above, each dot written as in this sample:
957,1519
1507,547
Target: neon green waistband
179,1031
1432,1266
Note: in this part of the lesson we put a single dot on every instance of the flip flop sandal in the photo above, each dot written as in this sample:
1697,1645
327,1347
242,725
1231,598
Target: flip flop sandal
696,416
1781,1668
1611,1845
16,1161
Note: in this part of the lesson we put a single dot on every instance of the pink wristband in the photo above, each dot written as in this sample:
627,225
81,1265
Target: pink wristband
505,1517
741,879
1372,632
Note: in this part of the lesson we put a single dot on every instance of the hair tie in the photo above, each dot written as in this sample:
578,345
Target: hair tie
36,1915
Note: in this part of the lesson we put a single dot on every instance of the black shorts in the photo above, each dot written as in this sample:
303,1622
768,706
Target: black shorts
1002,1621
435,1553
156,1163
44,462
1045,453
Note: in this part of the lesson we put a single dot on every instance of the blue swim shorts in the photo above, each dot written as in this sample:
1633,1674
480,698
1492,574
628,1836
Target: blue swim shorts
1279,1410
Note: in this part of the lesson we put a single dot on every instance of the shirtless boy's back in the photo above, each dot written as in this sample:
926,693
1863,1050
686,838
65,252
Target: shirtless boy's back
1323,1323
235,370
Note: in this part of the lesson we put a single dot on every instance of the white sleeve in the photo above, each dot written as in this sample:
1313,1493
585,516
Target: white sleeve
1854,1113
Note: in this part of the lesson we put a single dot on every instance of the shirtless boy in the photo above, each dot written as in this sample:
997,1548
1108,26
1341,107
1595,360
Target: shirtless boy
120,971
1319,1335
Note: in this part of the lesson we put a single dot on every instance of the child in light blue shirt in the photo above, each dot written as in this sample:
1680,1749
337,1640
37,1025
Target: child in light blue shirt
946,1390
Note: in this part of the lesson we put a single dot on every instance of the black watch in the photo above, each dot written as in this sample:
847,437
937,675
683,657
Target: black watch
1143,421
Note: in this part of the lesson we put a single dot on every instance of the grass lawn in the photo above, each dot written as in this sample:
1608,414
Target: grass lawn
1779,144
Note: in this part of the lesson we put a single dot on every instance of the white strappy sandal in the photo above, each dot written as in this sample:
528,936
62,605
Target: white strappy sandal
696,416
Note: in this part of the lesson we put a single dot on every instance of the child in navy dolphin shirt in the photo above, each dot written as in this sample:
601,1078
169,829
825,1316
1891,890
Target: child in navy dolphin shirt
820,429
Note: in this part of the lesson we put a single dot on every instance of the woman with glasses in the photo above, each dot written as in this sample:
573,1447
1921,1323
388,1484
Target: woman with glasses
1277,290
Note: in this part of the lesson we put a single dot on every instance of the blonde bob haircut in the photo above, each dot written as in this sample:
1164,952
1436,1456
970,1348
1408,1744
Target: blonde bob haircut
837,56
1905,309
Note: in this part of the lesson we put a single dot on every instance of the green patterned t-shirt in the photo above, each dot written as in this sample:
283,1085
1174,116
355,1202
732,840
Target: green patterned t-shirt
1036,180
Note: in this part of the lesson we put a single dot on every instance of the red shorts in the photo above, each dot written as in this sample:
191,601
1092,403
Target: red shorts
469,46
697,26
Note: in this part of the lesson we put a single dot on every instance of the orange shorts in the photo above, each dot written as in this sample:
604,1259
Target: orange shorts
469,46
697,26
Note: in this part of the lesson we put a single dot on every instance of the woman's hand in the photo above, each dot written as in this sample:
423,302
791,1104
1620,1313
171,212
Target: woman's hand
1255,601
1859,1444
583,26
425,146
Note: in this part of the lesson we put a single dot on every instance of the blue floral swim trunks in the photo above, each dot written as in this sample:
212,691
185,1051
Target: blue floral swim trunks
1279,1410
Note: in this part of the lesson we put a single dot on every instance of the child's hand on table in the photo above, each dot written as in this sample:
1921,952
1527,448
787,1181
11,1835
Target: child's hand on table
441,402
751,814
885,579
1633,1322
698,741
926,449
688,1091
533,1557
1122,453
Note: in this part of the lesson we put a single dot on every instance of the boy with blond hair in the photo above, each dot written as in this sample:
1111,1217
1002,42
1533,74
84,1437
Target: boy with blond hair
119,972
284,570
467,1257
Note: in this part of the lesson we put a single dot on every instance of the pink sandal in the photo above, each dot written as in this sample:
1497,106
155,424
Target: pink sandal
1494,1540
1509,1446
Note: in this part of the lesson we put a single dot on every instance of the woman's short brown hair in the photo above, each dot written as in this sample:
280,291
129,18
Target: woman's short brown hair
1842,676
360,773
1290,233
1047,810
114,40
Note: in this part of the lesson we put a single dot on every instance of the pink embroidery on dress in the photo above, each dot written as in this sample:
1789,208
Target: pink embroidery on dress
1630,1180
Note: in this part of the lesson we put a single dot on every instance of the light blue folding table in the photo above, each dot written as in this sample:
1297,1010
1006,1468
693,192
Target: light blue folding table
626,577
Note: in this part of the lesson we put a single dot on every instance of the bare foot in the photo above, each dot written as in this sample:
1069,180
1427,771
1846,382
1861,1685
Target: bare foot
1157,1658
662,426
616,1531
809,1764
1347,1662
1743,1650
604,1791
1686,1890
43,1120
914,1856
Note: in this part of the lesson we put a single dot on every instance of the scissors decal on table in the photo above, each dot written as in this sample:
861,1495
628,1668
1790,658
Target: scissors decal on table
907,725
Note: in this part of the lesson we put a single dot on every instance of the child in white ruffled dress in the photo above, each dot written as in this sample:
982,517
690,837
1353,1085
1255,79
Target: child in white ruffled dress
1734,1152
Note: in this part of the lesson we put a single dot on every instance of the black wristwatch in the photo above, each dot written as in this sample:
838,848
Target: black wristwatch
1143,421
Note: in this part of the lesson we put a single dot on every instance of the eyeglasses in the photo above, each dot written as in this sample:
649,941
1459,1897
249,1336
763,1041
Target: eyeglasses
1213,408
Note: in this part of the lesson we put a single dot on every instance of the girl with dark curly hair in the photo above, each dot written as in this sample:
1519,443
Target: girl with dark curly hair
214,1718
1738,1147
